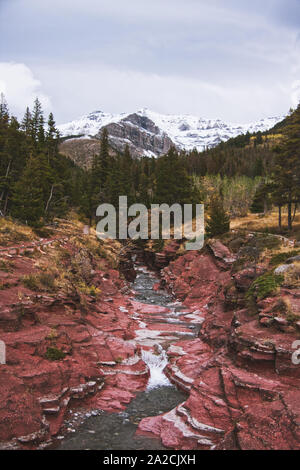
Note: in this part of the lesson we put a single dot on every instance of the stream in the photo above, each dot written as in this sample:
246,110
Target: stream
116,431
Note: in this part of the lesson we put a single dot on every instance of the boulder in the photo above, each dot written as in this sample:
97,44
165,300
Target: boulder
221,252
283,268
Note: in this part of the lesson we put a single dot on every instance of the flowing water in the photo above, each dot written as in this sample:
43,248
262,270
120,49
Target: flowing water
116,431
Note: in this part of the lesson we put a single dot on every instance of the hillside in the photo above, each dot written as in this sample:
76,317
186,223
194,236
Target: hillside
81,150
250,154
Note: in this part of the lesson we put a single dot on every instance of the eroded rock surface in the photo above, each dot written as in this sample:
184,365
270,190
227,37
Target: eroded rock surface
61,349
243,387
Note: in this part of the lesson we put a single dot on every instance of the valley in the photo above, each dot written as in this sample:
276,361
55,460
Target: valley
149,230
174,358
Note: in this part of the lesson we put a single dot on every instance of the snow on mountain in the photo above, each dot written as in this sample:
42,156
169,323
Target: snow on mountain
90,124
190,132
185,131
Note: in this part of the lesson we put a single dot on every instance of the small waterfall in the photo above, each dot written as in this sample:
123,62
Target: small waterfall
156,363
112,431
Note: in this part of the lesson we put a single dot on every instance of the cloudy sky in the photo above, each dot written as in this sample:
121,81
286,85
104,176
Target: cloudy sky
232,59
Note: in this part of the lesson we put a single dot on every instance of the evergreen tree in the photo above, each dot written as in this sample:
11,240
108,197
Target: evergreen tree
173,184
113,186
95,187
41,133
4,113
258,167
286,176
98,176
12,162
219,222
31,188
32,191
52,138
144,187
261,202
104,156
126,177
259,139
27,122
37,119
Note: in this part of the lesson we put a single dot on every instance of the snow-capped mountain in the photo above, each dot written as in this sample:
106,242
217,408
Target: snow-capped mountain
189,132
150,133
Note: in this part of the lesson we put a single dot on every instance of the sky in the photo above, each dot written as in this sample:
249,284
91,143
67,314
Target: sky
234,60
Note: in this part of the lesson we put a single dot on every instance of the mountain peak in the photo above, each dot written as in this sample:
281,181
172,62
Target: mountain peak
184,130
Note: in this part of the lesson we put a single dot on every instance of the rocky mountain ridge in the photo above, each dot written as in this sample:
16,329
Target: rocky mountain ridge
152,134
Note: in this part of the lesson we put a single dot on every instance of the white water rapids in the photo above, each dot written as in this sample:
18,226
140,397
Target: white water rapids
156,363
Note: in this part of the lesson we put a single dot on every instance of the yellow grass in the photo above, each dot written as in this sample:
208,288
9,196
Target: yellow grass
269,222
13,233
292,277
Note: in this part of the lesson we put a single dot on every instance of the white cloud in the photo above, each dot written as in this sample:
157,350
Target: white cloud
77,90
295,95
166,11
210,58
20,87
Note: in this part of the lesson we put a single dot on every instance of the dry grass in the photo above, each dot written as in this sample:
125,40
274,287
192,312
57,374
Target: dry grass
6,265
13,233
282,306
89,290
292,277
267,223
280,257
44,281
69,269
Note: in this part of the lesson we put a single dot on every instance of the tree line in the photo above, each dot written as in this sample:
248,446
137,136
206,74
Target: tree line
37,183
257,156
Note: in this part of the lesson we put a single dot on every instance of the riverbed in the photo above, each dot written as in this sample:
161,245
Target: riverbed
99,430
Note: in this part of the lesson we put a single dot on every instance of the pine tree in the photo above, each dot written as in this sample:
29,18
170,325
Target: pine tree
144,186
35,185
259,139
51,138
12,162
95,187
41,133
173,184
104,155
4,113
258,169
261,201
99,174
32,191
27,122
219,222
37,119
113,185
286,176
126,177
